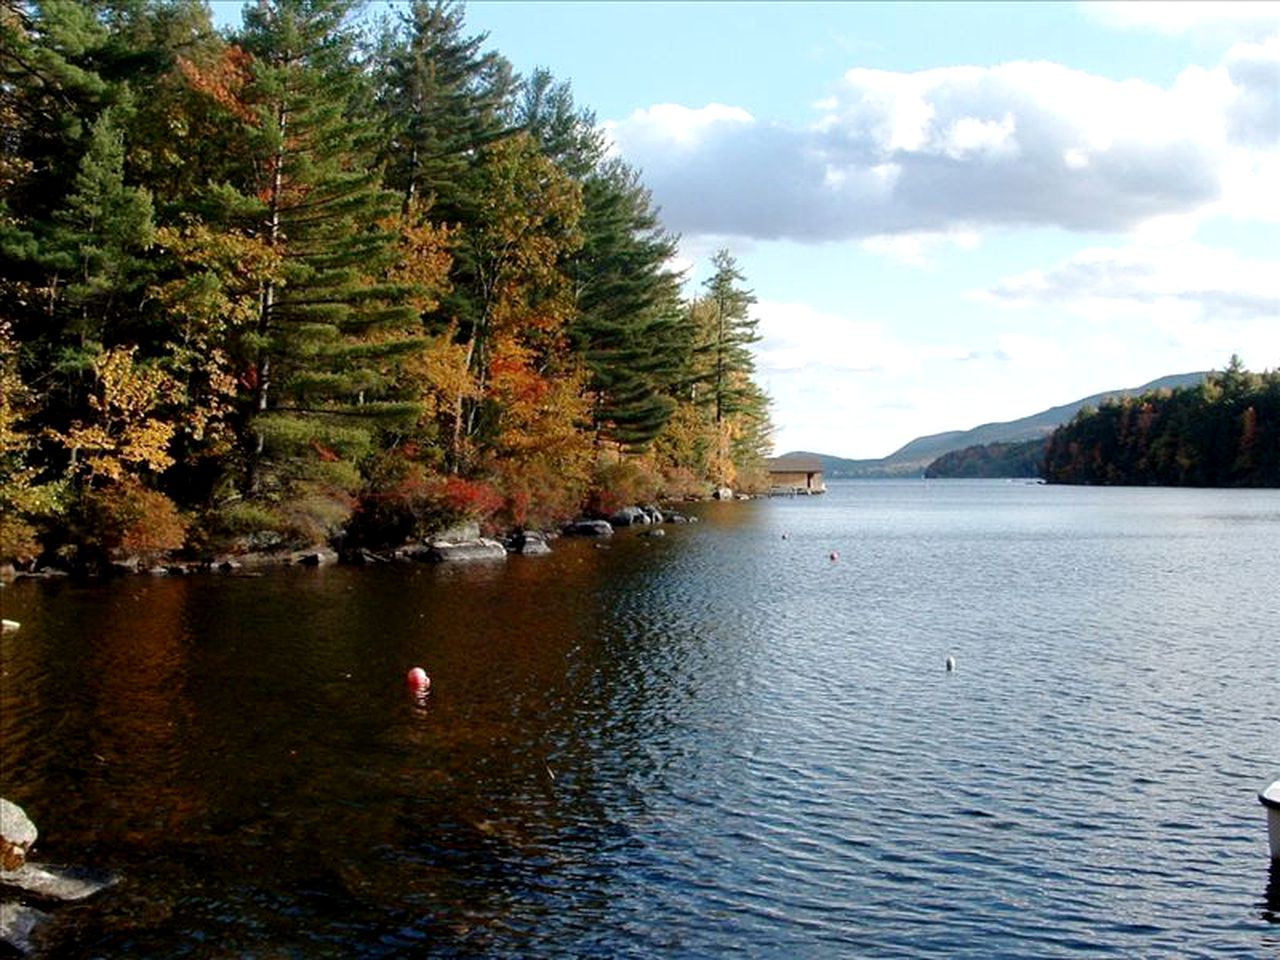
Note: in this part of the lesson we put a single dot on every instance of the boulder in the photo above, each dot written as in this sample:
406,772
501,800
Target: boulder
529,543
589,528
316,558
656,532
45,882
18,924
722,493
482,548
17,833
9,626
653,513
629,516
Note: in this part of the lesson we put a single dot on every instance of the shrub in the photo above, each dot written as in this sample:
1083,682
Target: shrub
621,484
123,519
403,501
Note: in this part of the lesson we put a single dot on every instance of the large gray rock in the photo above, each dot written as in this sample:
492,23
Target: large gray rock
629,516
18,924
442,551
17,835
45,882
589,528
529,543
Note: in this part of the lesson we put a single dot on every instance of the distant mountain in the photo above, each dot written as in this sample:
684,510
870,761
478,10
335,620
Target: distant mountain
912,458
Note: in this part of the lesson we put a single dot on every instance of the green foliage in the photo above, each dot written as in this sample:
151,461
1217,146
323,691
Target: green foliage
1024,459
1224,433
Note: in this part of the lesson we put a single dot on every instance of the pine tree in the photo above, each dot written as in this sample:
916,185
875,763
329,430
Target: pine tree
731,331
329,333
441,99
630,324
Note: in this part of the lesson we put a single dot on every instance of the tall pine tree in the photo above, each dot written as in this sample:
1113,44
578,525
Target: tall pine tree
329,331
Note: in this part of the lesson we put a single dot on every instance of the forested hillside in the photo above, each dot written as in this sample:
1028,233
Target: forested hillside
331,275
1224,433
990,460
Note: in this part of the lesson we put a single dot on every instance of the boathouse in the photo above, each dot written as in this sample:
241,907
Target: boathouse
795,474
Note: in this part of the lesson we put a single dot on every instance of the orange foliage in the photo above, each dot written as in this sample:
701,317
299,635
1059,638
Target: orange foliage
224,80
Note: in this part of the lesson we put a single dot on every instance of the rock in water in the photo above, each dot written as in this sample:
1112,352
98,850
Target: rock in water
17,924
589,528
17,835
46,882
9,626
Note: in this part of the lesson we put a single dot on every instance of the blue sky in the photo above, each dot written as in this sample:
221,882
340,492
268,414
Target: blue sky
949,213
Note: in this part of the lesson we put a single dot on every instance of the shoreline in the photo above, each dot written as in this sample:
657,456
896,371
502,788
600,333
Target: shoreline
462,543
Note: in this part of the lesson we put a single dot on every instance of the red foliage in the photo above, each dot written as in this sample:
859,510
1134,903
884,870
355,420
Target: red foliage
472,498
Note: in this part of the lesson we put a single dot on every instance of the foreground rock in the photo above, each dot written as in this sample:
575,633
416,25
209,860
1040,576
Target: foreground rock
17,835
30,881
44,882
18,924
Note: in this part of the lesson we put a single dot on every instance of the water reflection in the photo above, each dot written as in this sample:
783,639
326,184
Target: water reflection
676,746
1271,897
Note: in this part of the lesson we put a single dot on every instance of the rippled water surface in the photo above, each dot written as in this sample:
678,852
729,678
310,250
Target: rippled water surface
719,743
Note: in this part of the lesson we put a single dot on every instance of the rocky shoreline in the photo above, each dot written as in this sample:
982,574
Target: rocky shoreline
462,543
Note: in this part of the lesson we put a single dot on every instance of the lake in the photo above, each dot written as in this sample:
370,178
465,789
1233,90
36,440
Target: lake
719,743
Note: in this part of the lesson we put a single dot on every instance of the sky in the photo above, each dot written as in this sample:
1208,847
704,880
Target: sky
949,213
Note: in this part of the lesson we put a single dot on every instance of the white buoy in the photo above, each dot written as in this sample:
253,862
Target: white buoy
1270,798
951,664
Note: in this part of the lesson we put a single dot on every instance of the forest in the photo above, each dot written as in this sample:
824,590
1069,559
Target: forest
1023,459
1223,433
336,274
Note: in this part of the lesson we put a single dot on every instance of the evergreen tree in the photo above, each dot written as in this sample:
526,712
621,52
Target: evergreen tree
630,325
328,332
441,100
730,332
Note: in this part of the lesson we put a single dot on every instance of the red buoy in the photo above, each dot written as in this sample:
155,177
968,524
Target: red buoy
417,680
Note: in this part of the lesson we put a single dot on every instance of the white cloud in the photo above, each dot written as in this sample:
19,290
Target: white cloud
1184,16
1189,297
918,249
958,149
797,338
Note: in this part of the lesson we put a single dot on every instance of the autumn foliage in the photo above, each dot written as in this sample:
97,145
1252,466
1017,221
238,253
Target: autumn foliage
286,285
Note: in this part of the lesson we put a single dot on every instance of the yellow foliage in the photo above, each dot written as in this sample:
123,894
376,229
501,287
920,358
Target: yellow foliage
424,260
442,375
125,436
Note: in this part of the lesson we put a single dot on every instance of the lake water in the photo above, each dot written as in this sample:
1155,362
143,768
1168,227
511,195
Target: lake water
720,743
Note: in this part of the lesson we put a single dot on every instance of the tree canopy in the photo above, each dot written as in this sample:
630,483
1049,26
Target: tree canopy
327,276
